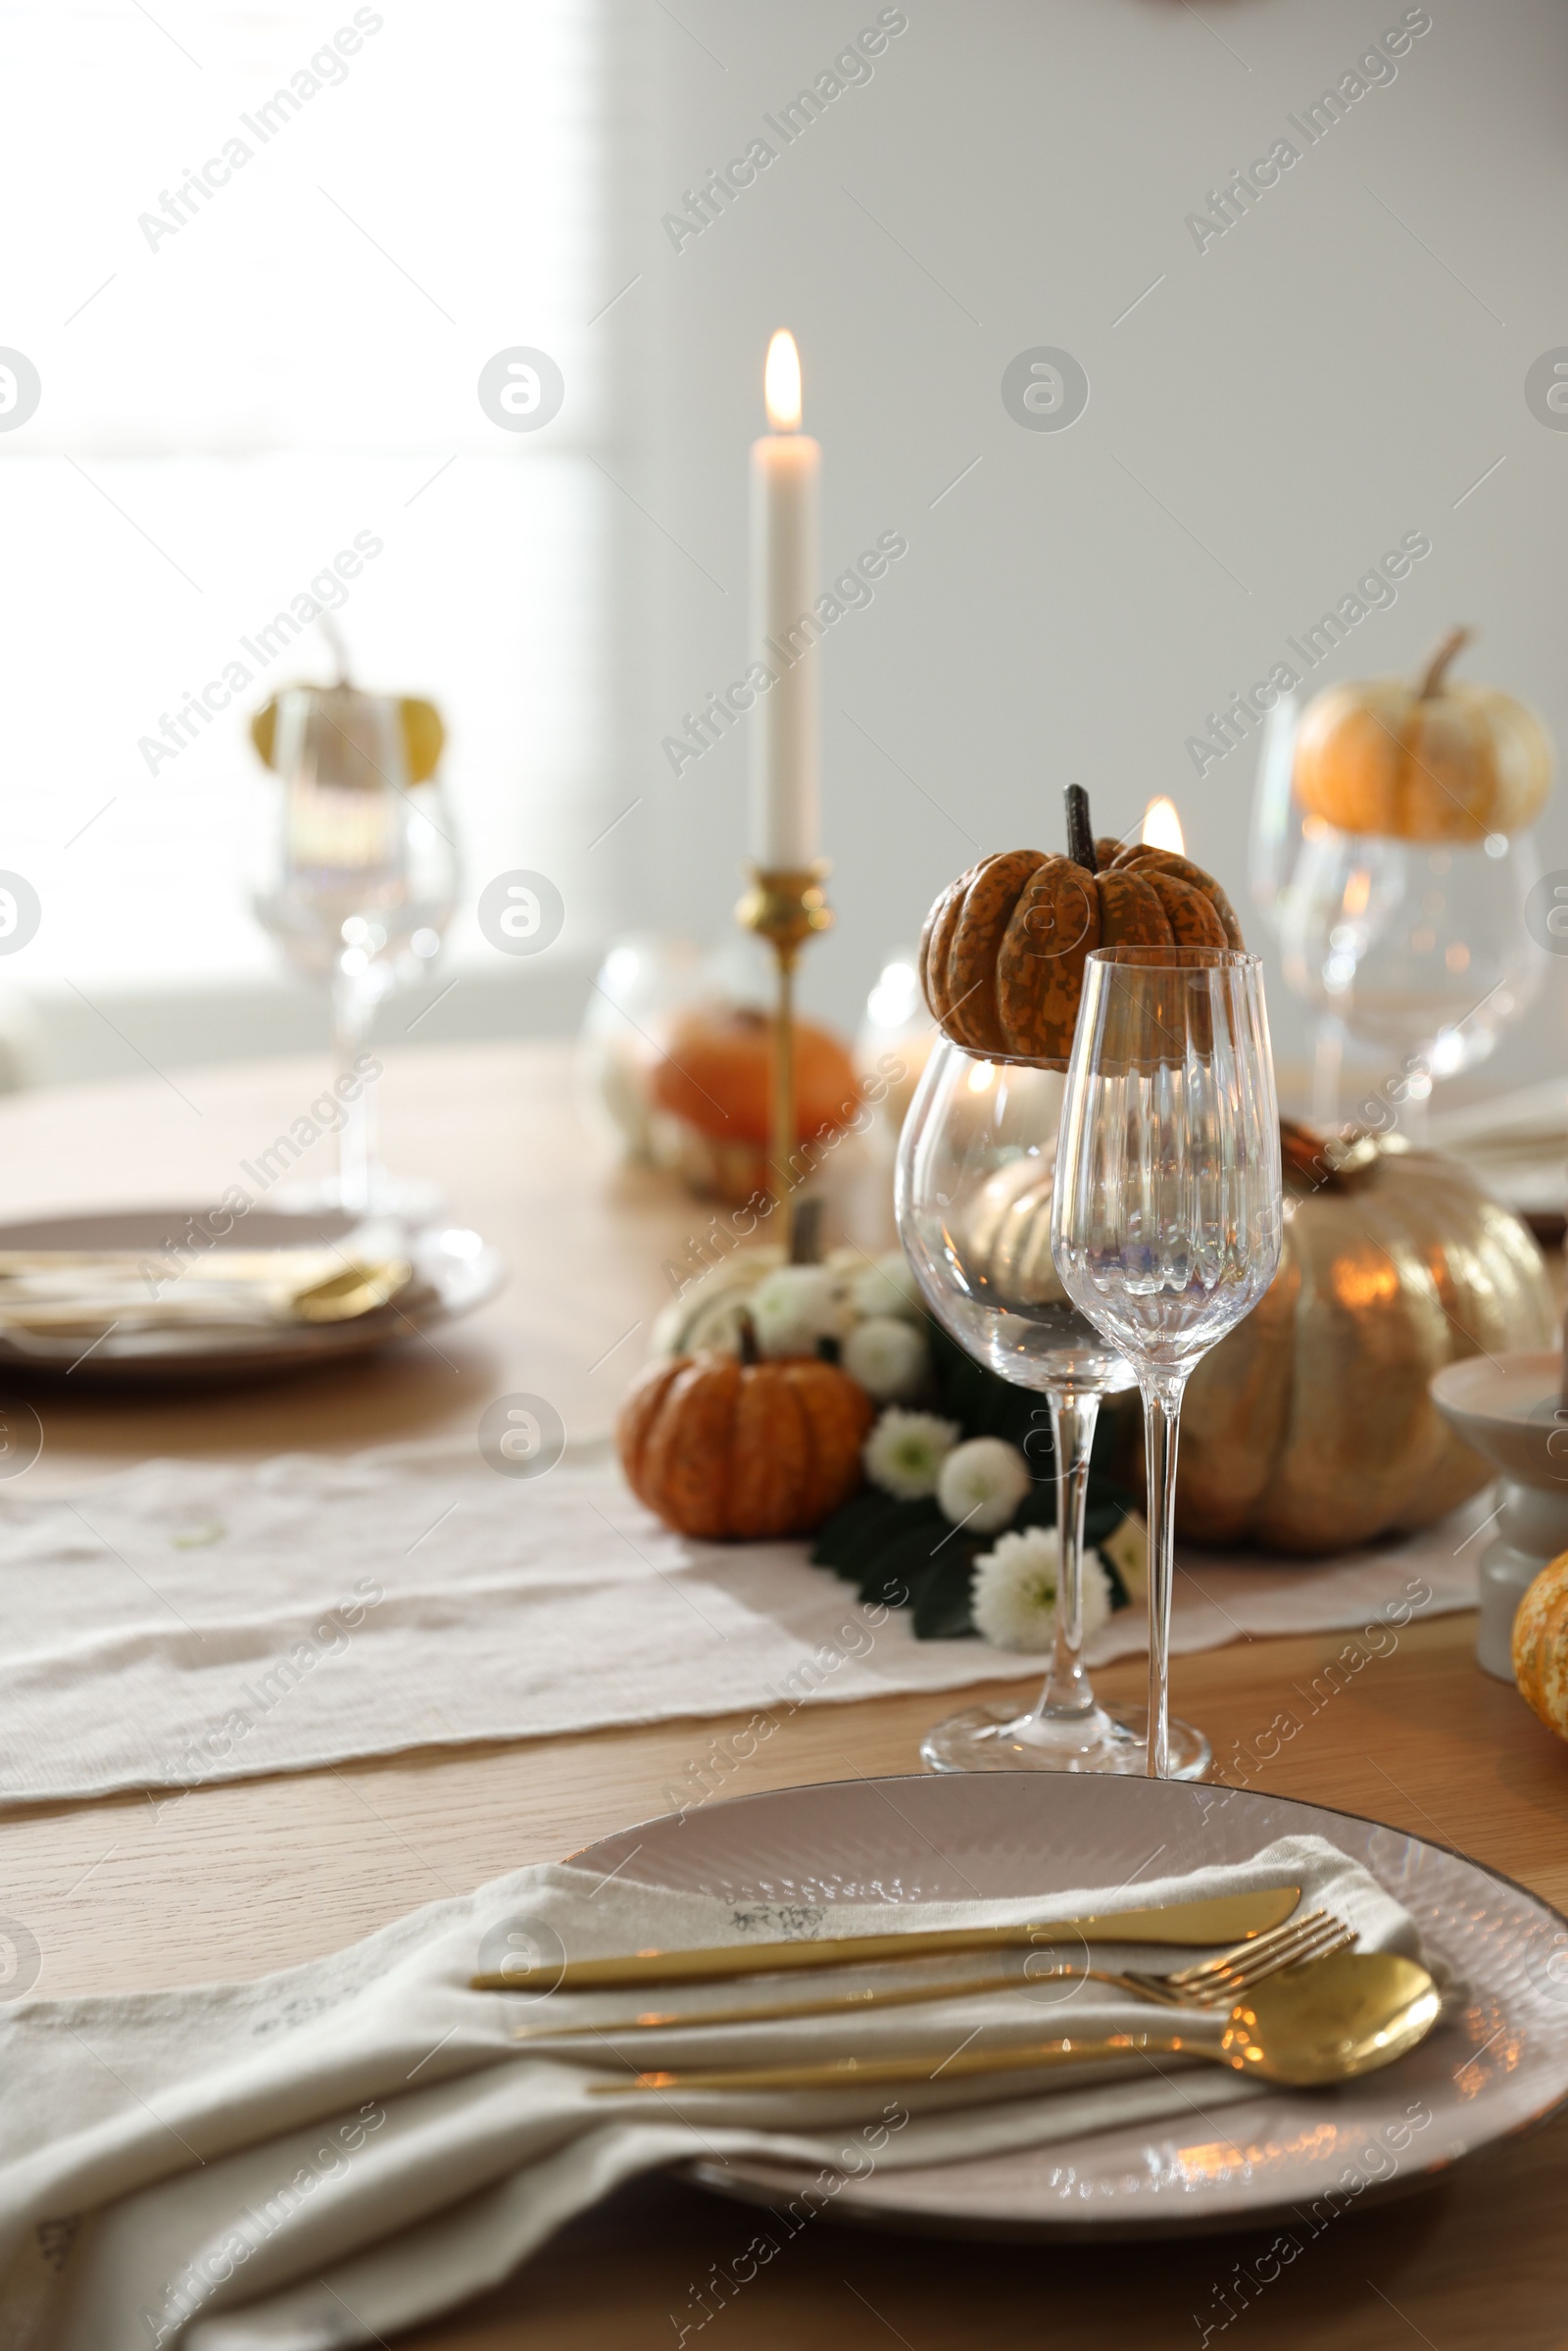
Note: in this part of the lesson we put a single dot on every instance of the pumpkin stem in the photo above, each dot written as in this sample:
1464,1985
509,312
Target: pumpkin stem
1080,832
1431,681
805,1237
750,1351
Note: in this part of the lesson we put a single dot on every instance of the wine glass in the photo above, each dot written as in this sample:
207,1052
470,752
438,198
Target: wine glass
1417,949
975,1170
357,880
1166,1221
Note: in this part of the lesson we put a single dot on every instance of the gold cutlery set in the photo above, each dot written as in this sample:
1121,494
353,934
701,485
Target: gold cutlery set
64,1293
1288,2000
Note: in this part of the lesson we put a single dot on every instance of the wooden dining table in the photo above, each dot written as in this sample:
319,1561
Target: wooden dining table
126,1892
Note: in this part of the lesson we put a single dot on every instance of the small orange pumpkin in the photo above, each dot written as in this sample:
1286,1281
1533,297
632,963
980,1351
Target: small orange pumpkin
1001,956
1422,762
713,1086
1541,1645
730,1450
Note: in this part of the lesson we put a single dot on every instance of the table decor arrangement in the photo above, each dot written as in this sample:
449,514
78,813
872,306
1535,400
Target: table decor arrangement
1012,954
433,2134
444,2149
951,1509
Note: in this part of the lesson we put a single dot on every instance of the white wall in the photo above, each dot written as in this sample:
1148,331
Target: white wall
1277,413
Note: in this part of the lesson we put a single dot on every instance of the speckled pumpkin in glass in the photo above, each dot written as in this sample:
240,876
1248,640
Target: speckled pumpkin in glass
1001,956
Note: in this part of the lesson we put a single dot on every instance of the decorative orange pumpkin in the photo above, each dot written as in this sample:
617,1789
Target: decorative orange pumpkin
1001,956
713,1086
1422,762
1541,1645
730,1450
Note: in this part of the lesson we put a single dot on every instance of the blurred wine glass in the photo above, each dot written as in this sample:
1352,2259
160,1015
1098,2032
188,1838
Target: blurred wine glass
1275,844
355,881
1417,950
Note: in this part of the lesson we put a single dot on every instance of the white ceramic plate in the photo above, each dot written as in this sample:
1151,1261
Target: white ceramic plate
1499,2063
454,1272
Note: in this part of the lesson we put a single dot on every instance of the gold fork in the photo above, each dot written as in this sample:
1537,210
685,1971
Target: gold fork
1215,1982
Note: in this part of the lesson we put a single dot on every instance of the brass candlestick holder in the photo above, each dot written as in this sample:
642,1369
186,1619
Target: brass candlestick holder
786,906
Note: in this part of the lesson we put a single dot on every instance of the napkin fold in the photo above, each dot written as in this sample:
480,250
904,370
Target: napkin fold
326,2154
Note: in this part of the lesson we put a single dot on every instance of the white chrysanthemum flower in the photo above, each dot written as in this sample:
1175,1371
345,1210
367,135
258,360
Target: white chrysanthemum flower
887,1288
795,1307
1013,1598
982,1483
888,1358
904,1452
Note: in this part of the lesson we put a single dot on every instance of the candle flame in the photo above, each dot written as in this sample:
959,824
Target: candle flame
781,383
1162,827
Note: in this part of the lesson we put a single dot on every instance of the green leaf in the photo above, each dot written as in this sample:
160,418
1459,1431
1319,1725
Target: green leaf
941,1609
842,1539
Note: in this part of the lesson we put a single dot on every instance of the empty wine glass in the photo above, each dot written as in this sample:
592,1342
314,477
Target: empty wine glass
975,1171
1167,1219
1417,949
357,880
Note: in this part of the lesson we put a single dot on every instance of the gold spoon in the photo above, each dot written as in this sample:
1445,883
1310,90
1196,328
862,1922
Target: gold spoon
356,1290
1325,2021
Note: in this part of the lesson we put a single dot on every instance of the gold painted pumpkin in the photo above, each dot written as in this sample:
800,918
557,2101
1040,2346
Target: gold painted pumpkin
1001,956
1309,1427
1541,1645
723,1448
1422,762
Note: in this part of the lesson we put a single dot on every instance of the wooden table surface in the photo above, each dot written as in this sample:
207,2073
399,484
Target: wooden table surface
230,1880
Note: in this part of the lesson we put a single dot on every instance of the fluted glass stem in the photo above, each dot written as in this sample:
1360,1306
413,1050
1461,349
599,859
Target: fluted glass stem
1163,1408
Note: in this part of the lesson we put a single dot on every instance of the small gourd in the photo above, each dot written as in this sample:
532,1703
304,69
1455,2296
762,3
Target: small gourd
730,1448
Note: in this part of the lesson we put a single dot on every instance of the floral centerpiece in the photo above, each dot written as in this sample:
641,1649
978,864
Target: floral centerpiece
954,1517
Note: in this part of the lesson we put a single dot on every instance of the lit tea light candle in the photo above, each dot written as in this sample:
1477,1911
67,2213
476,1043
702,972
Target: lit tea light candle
1162,827
786,734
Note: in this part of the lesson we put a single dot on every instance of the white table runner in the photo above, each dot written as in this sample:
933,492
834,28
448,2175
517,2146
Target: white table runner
187,1621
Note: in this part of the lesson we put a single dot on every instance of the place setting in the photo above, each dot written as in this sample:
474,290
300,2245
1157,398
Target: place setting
950,1712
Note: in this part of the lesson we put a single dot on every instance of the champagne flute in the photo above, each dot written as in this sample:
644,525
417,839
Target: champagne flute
1167,1218
975,1171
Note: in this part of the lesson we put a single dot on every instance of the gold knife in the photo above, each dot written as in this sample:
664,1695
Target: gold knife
1224,1919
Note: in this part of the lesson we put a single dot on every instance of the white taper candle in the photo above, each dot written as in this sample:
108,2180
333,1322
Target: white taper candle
786,735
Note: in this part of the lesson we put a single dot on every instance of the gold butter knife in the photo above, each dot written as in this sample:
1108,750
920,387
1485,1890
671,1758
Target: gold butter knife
1223,1918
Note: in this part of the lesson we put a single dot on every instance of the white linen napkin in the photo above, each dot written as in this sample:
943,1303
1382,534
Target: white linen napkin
326,2154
